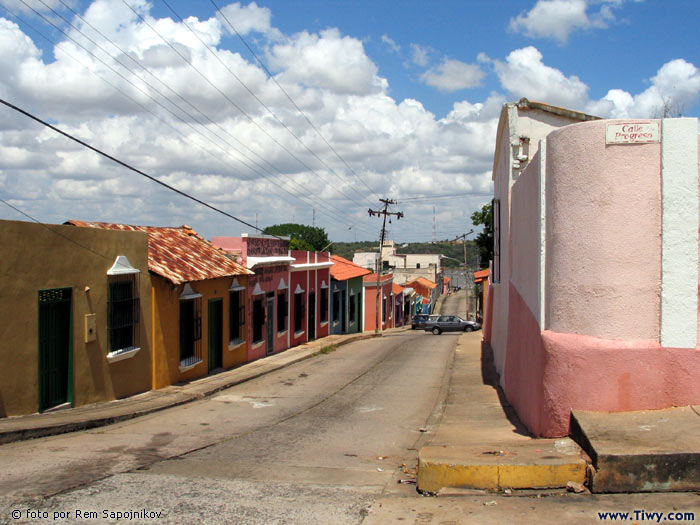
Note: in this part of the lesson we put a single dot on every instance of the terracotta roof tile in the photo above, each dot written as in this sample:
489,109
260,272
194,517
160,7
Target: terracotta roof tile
178,254
342,269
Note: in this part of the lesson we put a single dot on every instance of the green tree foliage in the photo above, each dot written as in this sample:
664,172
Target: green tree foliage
485,239
302,237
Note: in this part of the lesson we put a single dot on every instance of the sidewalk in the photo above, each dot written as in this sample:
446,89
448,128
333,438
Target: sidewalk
19,428
480,444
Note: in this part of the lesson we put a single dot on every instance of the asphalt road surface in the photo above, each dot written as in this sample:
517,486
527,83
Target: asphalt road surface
316,442
324,441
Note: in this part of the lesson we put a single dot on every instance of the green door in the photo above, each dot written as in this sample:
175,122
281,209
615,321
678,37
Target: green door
55,335
216,333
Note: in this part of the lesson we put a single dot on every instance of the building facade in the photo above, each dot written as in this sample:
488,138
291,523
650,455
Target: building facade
603,270
77,307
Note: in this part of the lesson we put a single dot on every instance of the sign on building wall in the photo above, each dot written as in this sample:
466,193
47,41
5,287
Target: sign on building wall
632,133
264,246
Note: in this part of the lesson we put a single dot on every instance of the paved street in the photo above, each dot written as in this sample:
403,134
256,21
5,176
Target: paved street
323,436
323,441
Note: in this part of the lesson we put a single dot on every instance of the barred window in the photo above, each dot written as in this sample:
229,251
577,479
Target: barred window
324,305
190,327
258,320
282,311
123,306
298,311
236,315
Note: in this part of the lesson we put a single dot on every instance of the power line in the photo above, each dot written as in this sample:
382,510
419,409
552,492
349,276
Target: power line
274,115
226,97
127,166
330,213
54,231
447,196
271,76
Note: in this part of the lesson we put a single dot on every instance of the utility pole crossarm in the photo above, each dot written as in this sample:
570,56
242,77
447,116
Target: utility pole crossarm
384,213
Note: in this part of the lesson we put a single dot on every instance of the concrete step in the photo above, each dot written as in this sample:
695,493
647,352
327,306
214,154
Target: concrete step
642,451
494,465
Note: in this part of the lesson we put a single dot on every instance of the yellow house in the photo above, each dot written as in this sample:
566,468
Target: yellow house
198,304
75,305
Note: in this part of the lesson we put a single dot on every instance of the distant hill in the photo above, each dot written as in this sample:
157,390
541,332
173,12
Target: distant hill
454,250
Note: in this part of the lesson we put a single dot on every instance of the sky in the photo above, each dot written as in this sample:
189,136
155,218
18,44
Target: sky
309,111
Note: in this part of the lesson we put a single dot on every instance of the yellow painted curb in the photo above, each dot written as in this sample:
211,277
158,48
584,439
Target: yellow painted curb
440,467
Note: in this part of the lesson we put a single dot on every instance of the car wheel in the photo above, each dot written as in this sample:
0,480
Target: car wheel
436,331
468,328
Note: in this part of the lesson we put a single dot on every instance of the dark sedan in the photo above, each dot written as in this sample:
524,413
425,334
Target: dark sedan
450,323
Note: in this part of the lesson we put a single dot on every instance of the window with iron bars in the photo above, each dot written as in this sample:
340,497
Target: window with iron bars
123,312
324,305
282,311
236,316
190,331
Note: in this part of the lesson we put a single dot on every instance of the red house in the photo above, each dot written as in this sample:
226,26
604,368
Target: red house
310,282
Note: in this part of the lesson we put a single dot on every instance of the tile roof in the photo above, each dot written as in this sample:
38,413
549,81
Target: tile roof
396,289
372,278
481,275
178,254
425,282
342,269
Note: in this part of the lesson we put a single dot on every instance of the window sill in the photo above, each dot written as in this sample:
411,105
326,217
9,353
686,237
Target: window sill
323,323
233,345
336,323
257,344
189,364
280,334
299,333
123,353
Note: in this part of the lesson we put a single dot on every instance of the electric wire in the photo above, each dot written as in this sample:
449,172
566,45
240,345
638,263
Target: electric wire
329,210
128,166
227,98
271,76
320,203
267,108
48,227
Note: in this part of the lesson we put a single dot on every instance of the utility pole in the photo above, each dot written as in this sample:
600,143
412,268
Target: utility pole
466,269
384,213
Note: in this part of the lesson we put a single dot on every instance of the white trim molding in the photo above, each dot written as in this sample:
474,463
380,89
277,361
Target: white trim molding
679,233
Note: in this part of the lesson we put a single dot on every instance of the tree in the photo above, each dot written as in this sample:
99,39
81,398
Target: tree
485,239
302,237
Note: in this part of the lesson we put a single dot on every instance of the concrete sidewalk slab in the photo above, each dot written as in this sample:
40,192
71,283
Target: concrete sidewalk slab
31,426
641,451
481,444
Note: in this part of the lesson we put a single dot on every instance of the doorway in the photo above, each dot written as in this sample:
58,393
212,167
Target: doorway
55,345
270,326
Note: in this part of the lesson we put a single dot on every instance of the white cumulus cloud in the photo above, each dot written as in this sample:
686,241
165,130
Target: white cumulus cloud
452,75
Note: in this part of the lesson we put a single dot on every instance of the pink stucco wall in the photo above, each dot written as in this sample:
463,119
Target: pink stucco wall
603,230
524,260
599,348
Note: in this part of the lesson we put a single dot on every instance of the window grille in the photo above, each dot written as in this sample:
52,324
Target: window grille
123,311
282,311
298,311
236,315
190,331
324,305
258,320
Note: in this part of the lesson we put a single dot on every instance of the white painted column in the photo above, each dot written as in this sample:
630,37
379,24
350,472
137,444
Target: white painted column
543,231
679,233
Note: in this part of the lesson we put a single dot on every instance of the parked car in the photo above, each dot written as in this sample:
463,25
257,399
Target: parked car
419,320
450,323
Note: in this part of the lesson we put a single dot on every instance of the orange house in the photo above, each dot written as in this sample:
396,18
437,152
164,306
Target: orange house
198,304
369,293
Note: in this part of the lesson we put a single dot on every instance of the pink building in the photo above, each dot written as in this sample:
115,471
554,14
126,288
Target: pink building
267,308
310,289
593,301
